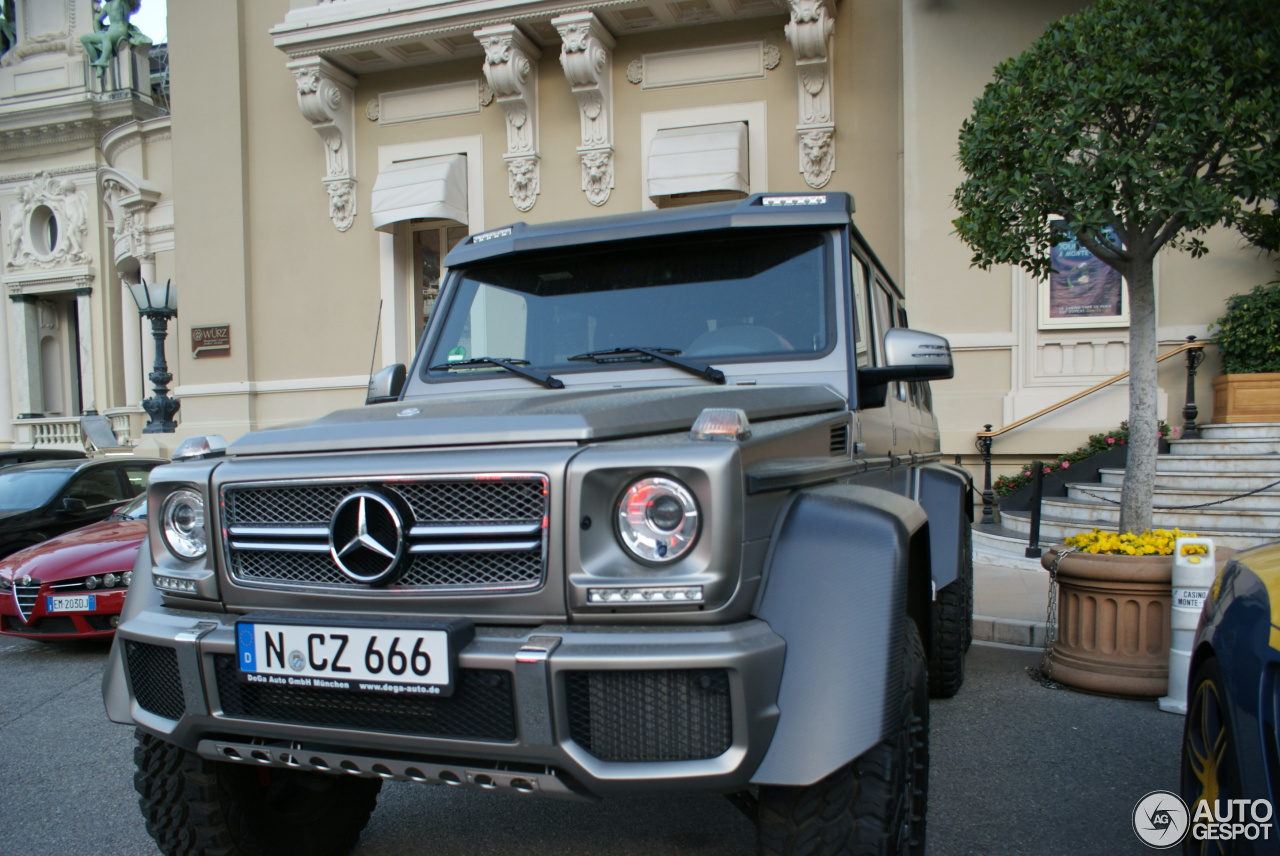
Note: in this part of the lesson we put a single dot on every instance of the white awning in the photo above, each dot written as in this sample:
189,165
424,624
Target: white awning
430,188
699,158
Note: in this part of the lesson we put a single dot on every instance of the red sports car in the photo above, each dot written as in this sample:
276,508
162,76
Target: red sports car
72,586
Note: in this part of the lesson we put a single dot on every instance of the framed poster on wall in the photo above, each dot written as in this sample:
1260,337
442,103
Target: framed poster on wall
1082,291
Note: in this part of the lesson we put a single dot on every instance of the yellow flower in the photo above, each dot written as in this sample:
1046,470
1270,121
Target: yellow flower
1159,542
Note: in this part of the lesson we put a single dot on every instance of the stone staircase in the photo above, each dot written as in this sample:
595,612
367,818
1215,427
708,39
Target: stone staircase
1213,473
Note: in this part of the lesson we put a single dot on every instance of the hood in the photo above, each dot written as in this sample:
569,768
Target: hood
94,549
543,416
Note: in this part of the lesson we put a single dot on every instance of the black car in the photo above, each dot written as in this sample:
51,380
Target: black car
46,498
10,457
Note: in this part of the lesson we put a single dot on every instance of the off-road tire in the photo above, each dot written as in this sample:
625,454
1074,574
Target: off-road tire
197,807
873,806
952,627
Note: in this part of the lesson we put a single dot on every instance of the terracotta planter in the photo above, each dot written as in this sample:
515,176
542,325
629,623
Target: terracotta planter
1113,623
1246,397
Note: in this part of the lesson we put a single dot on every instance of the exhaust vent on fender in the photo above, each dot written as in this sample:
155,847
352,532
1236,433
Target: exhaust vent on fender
840,440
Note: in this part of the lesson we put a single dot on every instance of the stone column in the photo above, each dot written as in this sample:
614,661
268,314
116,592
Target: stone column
84,335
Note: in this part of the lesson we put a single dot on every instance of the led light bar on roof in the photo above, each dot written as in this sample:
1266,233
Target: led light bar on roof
815,199
489,236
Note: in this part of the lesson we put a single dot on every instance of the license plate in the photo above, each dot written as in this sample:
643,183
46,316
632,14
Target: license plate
372,659
71,603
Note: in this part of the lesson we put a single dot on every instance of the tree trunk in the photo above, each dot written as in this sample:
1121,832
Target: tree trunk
1140,472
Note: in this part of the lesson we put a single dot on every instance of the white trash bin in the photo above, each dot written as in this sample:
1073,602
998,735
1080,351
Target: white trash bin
1192,577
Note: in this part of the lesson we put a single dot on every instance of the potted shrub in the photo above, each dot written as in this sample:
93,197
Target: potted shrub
1114,593
1248,337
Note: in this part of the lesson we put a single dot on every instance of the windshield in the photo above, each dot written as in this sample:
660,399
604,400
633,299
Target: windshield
25,490
742,297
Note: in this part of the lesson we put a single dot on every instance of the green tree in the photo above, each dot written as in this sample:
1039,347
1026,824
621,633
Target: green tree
1147,120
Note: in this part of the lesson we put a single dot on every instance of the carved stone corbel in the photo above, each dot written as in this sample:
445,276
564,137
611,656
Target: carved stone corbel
511,70
128,200
326,96
809,33
587,56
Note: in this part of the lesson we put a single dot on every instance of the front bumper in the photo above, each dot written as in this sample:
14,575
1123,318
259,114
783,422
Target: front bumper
558,710
40,623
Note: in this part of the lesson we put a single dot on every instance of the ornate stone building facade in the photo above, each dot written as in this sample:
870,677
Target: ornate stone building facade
84,209
326,154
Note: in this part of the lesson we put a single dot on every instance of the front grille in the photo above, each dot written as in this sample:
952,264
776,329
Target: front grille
25,599
673,715
463,533
157,683
481,707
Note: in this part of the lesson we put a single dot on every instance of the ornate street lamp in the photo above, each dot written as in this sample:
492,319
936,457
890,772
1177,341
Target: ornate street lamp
158,303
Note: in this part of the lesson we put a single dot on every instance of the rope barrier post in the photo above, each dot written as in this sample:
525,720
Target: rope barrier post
1037,486
988,496
1195,356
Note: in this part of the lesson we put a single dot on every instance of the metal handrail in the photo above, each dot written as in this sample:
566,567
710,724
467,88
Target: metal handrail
1193,345
1194,350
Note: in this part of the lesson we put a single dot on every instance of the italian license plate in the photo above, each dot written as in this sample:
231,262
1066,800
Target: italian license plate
71,603
372,659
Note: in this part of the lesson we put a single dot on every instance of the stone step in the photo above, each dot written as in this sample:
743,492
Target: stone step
1104,515
1232,483
1226,446
1167,498
1238,430
1218,464
1054,530
1225,462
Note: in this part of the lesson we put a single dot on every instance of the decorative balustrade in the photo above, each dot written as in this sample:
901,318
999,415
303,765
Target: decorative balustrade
61,432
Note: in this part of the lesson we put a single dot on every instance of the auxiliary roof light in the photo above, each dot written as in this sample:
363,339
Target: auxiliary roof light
809,199
721,423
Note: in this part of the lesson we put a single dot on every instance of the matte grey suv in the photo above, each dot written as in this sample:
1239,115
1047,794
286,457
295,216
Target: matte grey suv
657,508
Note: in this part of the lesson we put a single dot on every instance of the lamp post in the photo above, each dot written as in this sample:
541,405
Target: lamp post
158,303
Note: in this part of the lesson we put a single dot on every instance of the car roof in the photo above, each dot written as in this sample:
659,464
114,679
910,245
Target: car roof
75,464
820,208
42,454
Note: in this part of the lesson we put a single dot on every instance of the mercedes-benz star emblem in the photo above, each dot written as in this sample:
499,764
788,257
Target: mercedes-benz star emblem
366,537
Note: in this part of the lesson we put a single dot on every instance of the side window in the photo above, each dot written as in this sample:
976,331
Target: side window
97,487
884,318
137,478
861,327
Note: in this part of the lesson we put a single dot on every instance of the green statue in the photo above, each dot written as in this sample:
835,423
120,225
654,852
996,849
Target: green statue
8,35
111,27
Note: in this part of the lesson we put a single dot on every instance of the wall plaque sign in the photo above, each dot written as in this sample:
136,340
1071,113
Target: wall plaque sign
211,341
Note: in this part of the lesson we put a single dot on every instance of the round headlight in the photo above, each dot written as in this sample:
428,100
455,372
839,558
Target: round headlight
658,519
182,523
110,580
92,583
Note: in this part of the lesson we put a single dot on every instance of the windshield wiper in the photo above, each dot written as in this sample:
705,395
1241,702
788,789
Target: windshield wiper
662,355
516,367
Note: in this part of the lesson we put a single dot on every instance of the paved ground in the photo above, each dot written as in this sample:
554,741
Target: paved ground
1009,604
1017,769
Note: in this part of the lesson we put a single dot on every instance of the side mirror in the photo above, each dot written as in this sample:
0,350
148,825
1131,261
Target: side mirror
386,385
909,355
71,505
